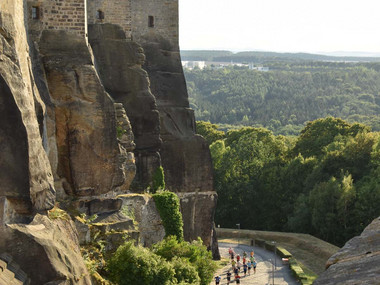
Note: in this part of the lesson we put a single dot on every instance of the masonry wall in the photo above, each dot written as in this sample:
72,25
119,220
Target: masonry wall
165,14
67,15
116,12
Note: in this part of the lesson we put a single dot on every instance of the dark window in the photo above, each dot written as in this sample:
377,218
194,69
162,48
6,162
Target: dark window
99,15
150,21
35,12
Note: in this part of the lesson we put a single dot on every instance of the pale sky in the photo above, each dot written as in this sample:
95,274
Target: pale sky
281,25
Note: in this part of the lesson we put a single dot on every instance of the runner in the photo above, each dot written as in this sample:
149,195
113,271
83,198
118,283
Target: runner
245,267
228,277
237,279
244,260
244,254
230,252
249,264
254,264
233,263
238,264
237,257
236,271
217,280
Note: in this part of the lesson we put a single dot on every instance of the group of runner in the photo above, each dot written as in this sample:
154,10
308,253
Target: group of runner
241,263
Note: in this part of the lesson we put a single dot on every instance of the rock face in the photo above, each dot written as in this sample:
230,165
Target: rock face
146,216
48,246
119,64
26,178
185,156
84,112
28,241
357,262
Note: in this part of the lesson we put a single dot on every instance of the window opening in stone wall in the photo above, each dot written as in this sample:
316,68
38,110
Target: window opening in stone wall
35,12
150,21
99,15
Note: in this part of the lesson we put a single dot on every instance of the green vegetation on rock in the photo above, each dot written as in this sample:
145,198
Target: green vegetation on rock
158,182
168,207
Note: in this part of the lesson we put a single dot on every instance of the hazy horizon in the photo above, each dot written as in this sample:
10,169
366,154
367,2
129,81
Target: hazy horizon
319,27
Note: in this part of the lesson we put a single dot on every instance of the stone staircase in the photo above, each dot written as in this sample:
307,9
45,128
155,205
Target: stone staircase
10,272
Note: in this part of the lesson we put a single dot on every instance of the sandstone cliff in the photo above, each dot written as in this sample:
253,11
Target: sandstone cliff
74,118
357,262
32,242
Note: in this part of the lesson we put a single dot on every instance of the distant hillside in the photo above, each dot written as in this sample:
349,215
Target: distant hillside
263,57
203,55
287,96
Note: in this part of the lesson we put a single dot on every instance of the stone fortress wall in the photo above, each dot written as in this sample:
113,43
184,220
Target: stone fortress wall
139,18
68,15
112,12
165,20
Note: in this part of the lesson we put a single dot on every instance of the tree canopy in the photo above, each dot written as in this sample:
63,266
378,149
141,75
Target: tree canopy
323,182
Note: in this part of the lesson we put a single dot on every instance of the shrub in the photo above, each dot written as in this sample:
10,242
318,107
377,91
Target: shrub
158,182
185,272
195,252
138,265
168,206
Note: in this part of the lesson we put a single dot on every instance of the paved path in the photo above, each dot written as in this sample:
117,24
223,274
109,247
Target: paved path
264,271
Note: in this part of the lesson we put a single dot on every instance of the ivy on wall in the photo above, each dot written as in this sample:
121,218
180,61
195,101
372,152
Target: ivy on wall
168,206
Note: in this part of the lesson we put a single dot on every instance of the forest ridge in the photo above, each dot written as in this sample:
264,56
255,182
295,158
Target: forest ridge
291,93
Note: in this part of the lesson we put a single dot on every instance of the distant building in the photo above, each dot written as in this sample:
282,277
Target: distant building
192,64
258,68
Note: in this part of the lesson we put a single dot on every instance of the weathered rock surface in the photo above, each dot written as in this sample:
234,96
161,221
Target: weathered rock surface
118,62
10,271
146,216
84,113
25,175
185,156
46,250
358,262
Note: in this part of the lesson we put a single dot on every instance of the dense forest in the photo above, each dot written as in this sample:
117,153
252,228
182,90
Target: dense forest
286,97
267,56
325,182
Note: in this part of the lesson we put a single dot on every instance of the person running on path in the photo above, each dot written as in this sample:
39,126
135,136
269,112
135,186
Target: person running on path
237,279
238,265
238,258
244,254
249,264
233,263
230,252
245,267
236,271
228,277
254,264
244,260
217,280
252,253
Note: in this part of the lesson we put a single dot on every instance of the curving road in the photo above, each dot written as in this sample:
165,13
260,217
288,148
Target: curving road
265,275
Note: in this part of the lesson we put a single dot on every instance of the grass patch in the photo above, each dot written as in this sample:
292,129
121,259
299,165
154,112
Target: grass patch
57,213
